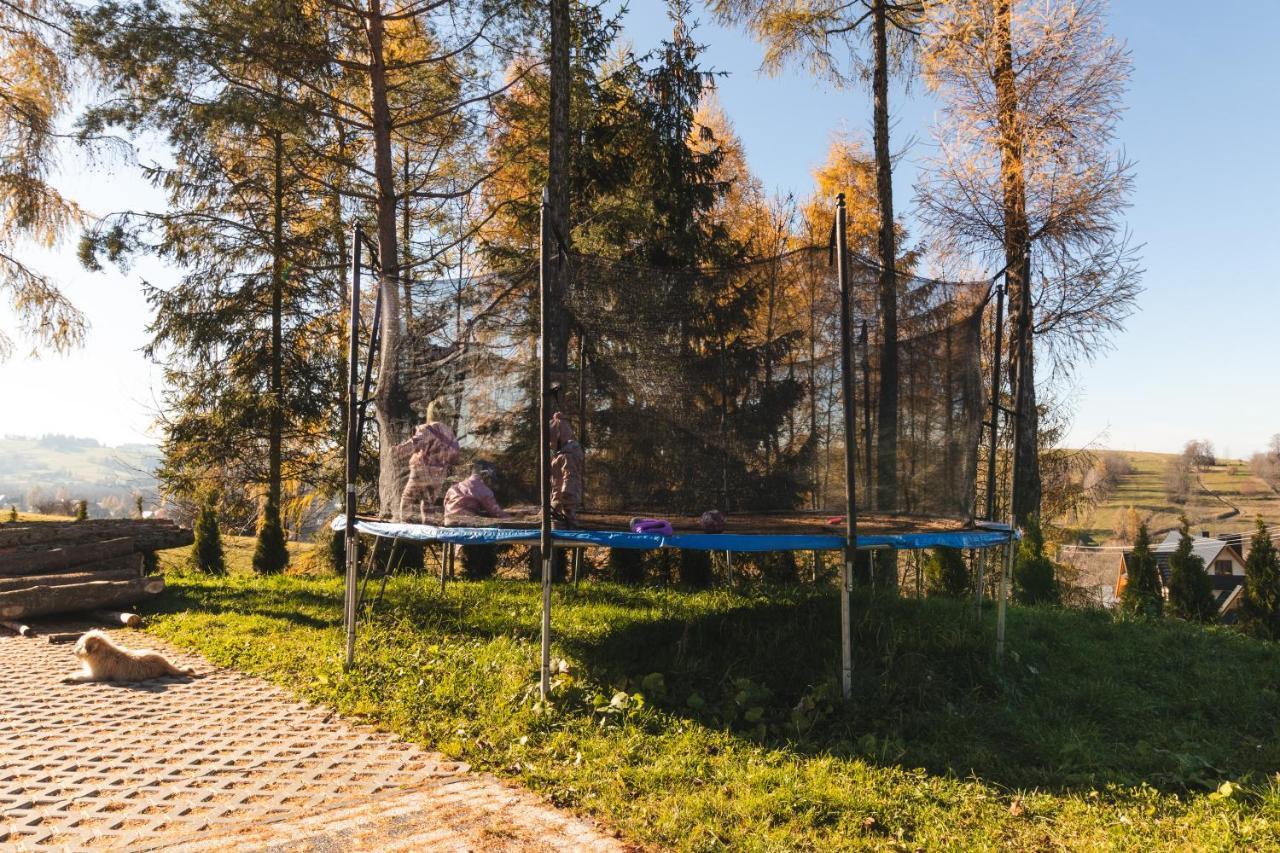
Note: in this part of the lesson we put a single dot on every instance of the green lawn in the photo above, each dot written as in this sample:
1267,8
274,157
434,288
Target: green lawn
711,720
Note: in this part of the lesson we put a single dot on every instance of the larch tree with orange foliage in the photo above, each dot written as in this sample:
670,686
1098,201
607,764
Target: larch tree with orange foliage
1027,175
826,36
35,89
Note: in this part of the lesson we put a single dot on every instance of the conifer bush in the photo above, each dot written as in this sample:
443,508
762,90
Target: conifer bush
1190,587
946,574
1142,594
270,554
1034,581
206,552
1262,586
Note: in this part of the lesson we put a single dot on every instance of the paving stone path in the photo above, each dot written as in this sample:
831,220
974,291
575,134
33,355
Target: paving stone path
230,762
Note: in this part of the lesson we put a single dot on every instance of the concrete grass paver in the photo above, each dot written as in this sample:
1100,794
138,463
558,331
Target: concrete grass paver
230,762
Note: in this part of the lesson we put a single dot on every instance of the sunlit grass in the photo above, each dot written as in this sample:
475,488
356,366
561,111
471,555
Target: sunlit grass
712,721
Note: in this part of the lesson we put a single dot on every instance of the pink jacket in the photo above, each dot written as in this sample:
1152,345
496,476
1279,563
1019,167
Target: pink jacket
433,446
559,432
567,463
472,497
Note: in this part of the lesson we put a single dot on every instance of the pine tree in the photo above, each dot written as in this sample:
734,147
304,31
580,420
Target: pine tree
1262,585
946,574
13,512
1034,580
82,510
1142,593
1190,587
137,506
206,552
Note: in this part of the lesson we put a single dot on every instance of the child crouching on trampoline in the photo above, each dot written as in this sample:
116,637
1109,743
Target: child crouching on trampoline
474,495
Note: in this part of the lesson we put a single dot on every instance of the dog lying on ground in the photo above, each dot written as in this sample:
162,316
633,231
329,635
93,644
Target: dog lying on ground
103,660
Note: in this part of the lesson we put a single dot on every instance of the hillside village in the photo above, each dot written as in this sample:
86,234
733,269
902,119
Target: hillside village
1221,499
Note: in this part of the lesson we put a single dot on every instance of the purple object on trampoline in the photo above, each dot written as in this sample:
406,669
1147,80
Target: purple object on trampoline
654,526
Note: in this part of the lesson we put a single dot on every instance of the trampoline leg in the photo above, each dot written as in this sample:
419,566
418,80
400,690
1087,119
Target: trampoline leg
977,591
349,598
445,548
1002,602
728,558
577,566
544,682
814,567
846,626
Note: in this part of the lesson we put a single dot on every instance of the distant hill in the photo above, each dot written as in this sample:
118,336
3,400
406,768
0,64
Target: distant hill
1226,498
60,467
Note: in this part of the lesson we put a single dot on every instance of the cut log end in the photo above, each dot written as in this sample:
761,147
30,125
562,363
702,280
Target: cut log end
18,628
115,617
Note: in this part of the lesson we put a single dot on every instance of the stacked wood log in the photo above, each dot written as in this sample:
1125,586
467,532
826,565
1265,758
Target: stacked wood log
50,567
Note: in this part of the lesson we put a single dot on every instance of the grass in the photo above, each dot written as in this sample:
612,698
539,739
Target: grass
33,516
704,721
237,552
1227,498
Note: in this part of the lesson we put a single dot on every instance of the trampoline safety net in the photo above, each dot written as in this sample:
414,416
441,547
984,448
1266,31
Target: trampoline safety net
682,391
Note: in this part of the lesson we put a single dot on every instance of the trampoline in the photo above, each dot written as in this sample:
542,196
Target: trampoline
742,534
683,410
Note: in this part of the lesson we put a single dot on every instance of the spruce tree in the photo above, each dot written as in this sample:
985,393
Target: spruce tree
82,510
1142,593
206,551
1262,585
13,512
946,574
1033,572
1190,587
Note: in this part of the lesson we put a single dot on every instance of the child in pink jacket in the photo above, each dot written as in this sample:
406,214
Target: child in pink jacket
431,450
474,495
567,463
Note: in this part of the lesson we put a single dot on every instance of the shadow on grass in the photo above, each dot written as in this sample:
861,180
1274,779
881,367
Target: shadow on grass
1081,701
178,599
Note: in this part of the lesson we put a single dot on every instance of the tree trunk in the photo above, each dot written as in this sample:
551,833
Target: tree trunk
887,427
149,535
558,186
62,559
344,270
124,570
1017,247
395,417
275,438
96,595
406,224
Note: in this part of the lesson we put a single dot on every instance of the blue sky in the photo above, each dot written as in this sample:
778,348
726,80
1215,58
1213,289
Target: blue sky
1197,360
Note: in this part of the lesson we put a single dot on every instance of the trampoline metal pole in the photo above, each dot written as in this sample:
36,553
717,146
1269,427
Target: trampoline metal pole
353,450
992,438
850,454
544,448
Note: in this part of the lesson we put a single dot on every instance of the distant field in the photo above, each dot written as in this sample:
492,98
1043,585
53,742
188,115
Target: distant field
75,465
1227,499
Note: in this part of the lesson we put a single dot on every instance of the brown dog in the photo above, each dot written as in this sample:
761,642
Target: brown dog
103,660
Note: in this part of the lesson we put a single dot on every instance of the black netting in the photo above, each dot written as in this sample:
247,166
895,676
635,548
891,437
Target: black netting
689,390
